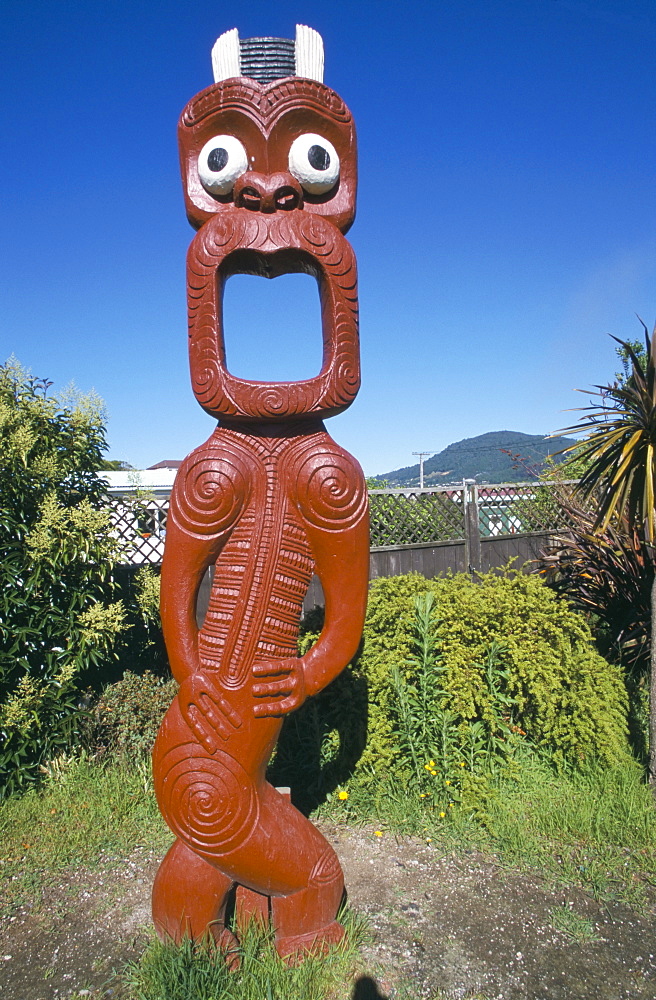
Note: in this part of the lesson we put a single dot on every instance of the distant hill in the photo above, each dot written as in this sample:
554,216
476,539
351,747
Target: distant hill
482,458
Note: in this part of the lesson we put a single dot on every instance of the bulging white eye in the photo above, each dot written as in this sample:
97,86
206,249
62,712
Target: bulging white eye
314,162
221,161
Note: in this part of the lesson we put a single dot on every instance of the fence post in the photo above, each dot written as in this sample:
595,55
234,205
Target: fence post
472,532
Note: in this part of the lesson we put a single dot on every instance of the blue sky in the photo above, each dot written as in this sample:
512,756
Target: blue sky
505,215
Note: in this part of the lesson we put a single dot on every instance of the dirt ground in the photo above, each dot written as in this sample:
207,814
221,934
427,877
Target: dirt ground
456,923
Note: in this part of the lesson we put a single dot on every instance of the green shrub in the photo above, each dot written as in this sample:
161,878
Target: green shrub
559,690
455,680
141,647
320,744
124,721
59,617
438,752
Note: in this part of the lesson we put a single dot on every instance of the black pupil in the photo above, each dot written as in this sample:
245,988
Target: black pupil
218,158
319,157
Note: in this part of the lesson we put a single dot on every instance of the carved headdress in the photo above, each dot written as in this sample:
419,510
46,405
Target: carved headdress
268,59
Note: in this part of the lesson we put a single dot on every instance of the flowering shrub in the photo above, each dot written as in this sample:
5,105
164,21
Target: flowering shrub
547,681
453,677
59,617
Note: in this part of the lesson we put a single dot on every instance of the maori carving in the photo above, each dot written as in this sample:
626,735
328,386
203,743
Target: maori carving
322,251
269,177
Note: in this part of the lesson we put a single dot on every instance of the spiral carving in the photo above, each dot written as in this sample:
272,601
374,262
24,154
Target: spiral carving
209,802
210,492
330,490
268,401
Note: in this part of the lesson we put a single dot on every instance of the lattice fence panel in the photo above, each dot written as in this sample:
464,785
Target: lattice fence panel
139,525
413,517
511,508
398,517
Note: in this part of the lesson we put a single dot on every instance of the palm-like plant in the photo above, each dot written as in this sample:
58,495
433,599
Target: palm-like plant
621,451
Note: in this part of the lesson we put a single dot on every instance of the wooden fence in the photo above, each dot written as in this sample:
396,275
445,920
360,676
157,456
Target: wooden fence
431,531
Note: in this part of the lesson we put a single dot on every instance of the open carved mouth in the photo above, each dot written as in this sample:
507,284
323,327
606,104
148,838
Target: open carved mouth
272,327
241,242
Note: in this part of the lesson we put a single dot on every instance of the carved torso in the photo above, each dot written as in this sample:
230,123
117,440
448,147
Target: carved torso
264,571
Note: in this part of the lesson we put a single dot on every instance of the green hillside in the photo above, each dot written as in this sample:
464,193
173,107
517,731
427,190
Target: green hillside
483,458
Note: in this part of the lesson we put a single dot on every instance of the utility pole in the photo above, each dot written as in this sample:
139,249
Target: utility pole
422,456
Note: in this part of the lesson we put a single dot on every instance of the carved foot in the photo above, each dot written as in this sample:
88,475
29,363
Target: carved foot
228,945
295,948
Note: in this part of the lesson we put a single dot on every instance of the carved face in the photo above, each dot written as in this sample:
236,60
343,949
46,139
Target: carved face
287,145
270,175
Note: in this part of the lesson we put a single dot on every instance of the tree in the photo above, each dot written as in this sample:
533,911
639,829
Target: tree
58,619
115,465
619,453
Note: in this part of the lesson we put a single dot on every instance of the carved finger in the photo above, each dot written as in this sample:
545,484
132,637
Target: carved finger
276,709
274,688
273,668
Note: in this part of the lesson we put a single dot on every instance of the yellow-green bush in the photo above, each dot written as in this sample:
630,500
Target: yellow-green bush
564,695
60,621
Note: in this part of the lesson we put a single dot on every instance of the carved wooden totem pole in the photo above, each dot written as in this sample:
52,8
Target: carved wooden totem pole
268,161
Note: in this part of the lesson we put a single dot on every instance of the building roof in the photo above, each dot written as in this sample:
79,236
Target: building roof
158,481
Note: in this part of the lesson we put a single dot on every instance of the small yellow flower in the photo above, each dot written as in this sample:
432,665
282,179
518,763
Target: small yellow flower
426,767
431,763
447,782
378,833
442,815
422,795
343,796
429,840
433,772
450,805
462,763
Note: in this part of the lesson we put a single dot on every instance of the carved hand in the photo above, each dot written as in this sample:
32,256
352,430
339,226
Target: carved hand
207,713
284,686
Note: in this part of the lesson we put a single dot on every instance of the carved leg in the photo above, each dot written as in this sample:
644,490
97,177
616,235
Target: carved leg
250,905
313,909
189,900
304,879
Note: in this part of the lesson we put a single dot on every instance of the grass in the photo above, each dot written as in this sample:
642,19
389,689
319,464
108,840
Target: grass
578,929
167,972
81,812
594,830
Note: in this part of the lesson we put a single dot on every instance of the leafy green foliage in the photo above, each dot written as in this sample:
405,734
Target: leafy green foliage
498,638
141,646
624,352
58,616
608,575
621,451
124,721
621,443
454,678
442,750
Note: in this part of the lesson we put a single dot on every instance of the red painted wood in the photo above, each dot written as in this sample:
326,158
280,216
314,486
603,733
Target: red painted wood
268,500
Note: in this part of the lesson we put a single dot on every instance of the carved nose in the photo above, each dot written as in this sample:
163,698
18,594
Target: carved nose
268,192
